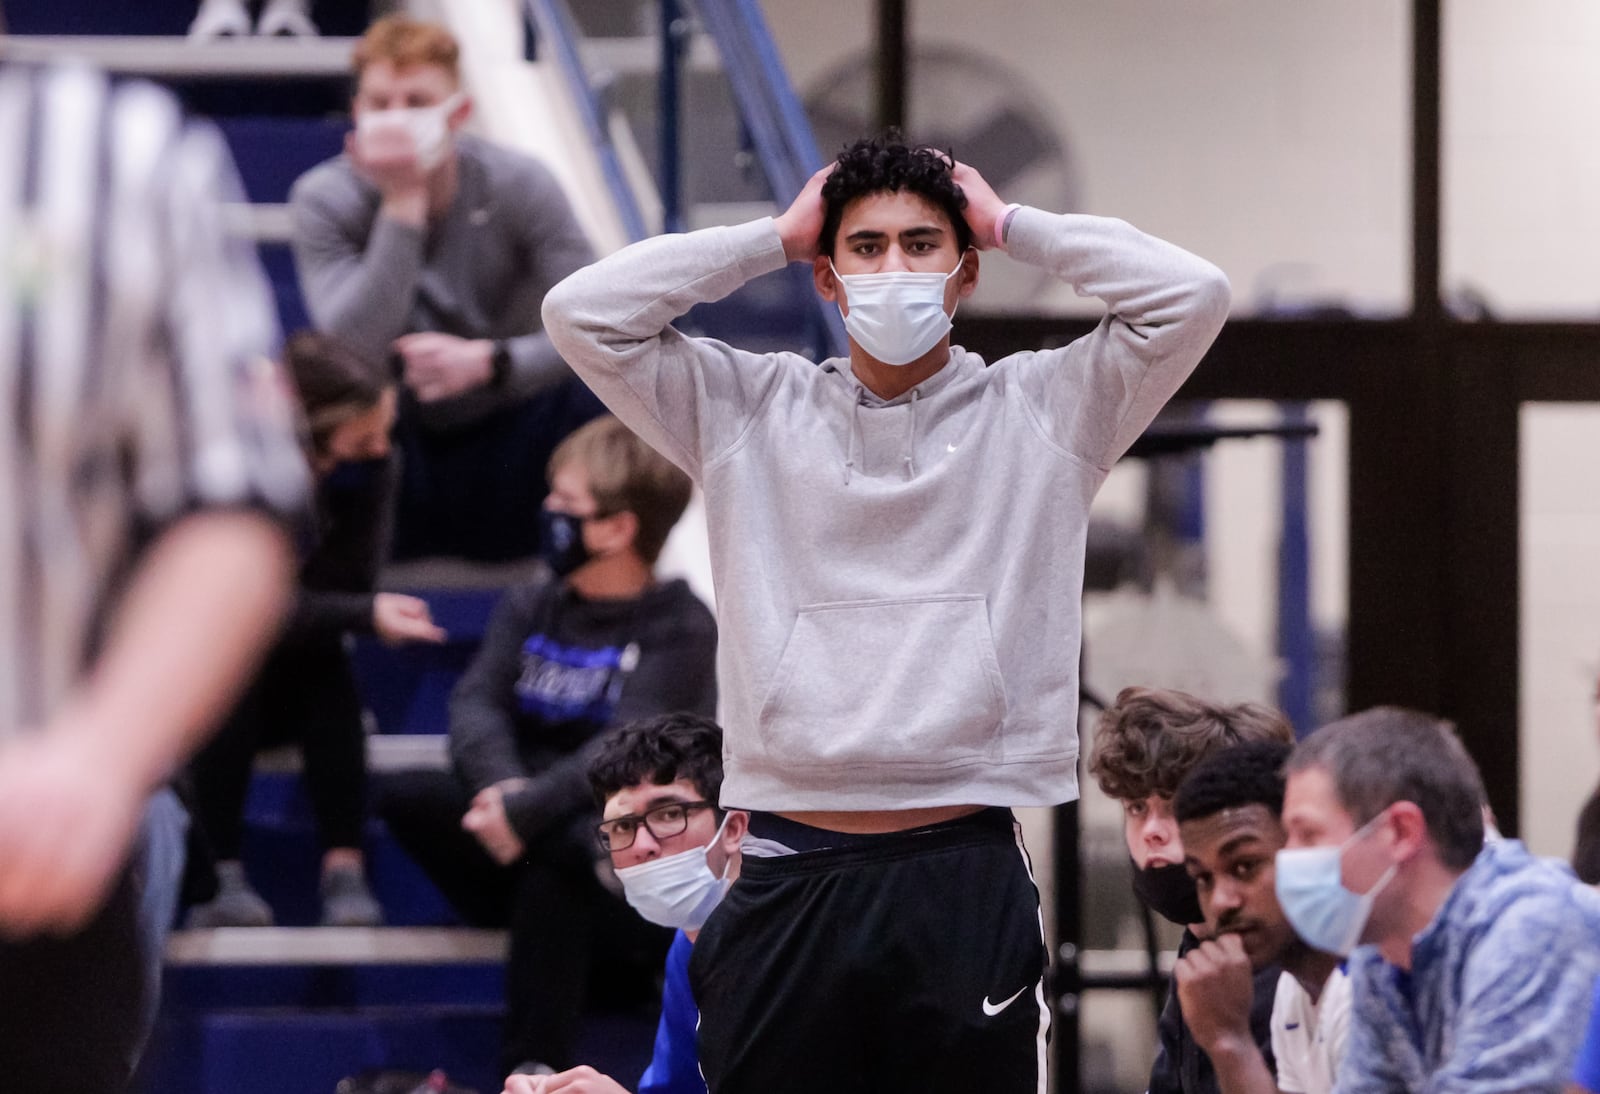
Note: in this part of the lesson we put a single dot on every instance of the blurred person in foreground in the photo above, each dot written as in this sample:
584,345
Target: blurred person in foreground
148,462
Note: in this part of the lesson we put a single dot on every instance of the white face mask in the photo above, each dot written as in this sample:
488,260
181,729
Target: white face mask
896,316
429,127
677,890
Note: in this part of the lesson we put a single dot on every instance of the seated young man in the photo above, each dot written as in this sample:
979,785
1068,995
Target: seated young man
675,854
1144,744
1228,818
1471,964
509,836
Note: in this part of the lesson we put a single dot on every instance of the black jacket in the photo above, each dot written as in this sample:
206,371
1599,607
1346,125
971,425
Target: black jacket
1182,1067
554,670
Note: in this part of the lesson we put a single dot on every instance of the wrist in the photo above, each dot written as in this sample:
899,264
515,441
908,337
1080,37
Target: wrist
1002,224
1230,1046
408,206
798,245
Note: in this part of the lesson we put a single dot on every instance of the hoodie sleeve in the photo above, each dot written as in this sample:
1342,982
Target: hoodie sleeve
689,398
483,721
1164,308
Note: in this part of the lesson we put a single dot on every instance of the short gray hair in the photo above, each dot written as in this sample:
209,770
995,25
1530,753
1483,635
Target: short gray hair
1391,754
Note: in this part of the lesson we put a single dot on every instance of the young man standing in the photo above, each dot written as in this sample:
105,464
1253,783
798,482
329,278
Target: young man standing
509,835
432,247
675,854
897,542
1145,745
1228,811
1471,964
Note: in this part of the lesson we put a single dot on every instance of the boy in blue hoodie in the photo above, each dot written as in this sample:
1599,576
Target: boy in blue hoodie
897,543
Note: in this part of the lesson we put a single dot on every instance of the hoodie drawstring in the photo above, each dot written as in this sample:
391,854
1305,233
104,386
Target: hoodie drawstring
850,442
911,436
909,457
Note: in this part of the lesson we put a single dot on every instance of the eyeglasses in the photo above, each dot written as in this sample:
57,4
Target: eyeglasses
663,821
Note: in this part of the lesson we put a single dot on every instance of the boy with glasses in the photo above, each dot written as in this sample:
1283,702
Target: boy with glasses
509,835
675,854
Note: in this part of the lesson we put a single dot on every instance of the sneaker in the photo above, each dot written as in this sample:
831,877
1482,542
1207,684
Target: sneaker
347,901
220,19
235,905
286,18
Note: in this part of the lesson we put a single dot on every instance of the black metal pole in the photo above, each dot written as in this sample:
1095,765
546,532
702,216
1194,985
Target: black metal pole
1426,80
892,77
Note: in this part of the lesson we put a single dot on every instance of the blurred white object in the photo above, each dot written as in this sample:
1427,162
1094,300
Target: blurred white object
286,17
220,19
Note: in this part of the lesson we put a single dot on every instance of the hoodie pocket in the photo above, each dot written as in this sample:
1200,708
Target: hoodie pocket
896,681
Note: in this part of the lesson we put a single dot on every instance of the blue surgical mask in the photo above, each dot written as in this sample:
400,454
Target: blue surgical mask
896,316
678,890
1325,914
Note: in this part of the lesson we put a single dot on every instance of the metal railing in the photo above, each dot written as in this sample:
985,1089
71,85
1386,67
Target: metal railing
553,29
779,131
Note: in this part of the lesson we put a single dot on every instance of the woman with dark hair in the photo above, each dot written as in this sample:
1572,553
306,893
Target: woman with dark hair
305,692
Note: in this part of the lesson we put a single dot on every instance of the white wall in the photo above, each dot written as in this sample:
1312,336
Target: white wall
1560,648
1254,132
1522,154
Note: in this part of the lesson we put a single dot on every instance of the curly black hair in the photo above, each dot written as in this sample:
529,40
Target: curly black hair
660,750
1243,774
876,164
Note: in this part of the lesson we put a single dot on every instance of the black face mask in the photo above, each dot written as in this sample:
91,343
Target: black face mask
1169,892
561,542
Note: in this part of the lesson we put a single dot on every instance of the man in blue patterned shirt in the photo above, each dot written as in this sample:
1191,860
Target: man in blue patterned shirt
1471,963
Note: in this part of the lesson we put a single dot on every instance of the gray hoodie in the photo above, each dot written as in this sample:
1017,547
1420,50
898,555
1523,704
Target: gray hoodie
898,582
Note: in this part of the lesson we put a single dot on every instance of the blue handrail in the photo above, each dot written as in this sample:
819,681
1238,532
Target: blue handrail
776,120
553,25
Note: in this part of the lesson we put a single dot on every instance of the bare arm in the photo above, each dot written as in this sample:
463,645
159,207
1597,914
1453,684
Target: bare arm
203,605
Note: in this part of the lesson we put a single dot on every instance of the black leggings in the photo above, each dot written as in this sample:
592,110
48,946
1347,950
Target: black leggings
304,694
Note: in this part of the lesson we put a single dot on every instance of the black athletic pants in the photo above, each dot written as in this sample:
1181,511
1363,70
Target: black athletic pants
905,962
